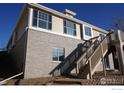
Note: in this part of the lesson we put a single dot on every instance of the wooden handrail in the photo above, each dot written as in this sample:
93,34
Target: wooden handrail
5,80
79,63
63,68
91,38
86,52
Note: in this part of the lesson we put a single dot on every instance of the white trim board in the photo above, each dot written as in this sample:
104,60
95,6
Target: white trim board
52,32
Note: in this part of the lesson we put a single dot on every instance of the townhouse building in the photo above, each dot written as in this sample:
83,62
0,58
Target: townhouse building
45,40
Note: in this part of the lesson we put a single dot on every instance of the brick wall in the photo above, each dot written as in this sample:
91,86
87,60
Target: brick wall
39,52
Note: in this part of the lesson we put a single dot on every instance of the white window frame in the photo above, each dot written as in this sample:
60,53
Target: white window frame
86,37
69,28
41,20
52,54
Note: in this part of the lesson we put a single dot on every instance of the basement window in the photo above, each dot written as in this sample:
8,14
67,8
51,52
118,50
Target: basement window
58,54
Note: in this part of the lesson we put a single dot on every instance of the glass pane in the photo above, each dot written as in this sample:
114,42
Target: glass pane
50,18
64,22
34,23
60,50
70,31
61,57
70,24
55,54
74,32
55,58
49,26
35,13
43,16
65,30
42,24
75,26
69,28
67,24
87,31
61,54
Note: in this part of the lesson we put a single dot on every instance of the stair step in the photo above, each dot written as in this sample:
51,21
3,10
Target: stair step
108,73
67,81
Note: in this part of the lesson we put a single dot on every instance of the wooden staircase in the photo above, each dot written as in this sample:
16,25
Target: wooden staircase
85,58
94,55
65,67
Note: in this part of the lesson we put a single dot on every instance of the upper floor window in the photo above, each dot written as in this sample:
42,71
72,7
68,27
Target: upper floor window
58,54
42,20
87,31
69,28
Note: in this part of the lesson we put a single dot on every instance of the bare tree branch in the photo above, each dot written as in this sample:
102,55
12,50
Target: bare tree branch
119,23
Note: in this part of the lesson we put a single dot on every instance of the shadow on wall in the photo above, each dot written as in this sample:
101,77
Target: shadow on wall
71,59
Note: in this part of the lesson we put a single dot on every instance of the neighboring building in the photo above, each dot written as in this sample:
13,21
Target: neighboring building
43,38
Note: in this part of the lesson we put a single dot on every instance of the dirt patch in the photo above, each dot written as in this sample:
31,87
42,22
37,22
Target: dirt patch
36,81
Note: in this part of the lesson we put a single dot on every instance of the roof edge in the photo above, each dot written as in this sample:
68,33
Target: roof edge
63,15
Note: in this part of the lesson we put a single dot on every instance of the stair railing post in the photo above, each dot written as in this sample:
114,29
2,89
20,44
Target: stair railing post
104,69
90,69
77,69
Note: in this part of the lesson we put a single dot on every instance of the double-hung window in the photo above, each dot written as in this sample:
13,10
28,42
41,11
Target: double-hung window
42,20
69,28
87,31
58,54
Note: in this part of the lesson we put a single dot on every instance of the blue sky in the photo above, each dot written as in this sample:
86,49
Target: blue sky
101,15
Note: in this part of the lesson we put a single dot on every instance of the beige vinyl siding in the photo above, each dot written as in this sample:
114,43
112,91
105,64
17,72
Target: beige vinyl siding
78,31
58,27
57,24
95,33
20,29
